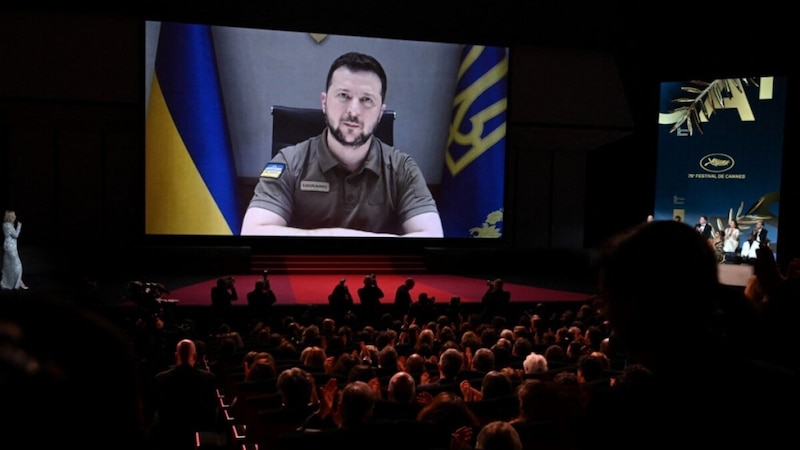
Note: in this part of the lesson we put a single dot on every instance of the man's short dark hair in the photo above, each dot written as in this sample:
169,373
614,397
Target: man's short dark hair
359,62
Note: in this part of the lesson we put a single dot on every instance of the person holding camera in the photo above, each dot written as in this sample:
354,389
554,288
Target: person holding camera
222,296
340,301
260,300
370,296
495,300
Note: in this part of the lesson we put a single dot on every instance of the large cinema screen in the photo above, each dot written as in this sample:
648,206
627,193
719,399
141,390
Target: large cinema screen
211,132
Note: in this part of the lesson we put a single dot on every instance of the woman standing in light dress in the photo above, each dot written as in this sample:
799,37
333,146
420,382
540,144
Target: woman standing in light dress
731,240
12,265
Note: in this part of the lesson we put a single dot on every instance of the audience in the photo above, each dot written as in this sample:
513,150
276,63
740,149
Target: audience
716,393
656,338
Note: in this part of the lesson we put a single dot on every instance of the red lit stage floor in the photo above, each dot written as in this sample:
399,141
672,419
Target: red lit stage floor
314,289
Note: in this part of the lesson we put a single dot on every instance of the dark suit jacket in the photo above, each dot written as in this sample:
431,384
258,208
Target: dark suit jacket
761,235
402,300
185,402
706,232
495,302
370,296
260,301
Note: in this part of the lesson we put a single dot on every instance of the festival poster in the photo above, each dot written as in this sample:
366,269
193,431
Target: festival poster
720,148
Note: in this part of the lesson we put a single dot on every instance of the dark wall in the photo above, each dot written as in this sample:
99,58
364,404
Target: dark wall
71,115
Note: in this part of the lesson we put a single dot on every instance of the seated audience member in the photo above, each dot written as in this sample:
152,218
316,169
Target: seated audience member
695,384
520,349
342,366
495,384
296,387
447,412
556,356
470,340
401,399
356,427
498,435
388,361
451,361
593,373
259,378
593,337
550,412
225,332
299,401
415,366
502,353
313,359
481,363
496,399
535,364
362,372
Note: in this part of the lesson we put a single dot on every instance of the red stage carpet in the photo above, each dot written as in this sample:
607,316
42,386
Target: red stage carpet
314,289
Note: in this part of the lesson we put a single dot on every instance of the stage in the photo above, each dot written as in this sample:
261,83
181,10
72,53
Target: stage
314,289
307,292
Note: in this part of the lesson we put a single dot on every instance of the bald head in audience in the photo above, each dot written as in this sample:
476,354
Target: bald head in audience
402,387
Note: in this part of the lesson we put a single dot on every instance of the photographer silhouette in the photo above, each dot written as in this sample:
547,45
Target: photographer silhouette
221,297
370,296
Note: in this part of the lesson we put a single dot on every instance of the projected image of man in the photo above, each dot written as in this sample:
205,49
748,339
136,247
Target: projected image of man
345,181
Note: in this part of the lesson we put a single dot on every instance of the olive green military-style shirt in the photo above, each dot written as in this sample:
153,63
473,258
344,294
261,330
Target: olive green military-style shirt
307,186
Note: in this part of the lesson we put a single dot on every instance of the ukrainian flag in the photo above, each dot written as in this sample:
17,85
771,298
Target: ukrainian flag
189,168
472,190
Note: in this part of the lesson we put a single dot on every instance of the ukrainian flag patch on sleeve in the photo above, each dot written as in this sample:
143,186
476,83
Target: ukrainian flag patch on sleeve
273,170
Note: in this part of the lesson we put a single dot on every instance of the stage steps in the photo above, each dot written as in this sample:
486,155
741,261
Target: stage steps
334,264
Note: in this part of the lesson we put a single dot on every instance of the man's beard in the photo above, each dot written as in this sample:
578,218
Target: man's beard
337,134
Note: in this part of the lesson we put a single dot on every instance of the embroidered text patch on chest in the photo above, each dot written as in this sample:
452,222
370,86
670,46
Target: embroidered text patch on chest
315,186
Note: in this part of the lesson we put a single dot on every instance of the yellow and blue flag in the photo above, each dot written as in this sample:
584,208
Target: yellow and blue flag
189,169
473,183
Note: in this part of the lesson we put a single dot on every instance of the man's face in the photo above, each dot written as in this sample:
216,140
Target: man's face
352,106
